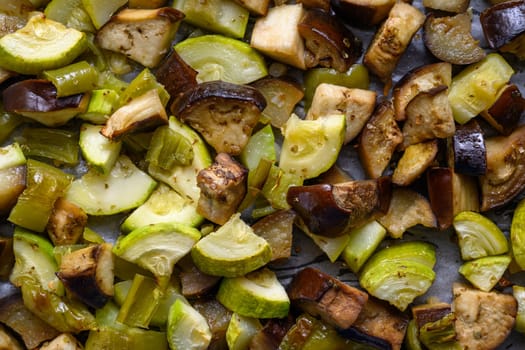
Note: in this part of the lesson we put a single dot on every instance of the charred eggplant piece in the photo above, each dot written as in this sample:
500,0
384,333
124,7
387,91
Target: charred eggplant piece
379,140
316,4
320,294
277,229
407,209
470,156
380,325
88,274
504,26
37,99
451,193
429,116
7,257
143,112
218,318
13,182
176,76
66,223
449,38
223,113
142,35
223,186
271,335
484,319
363,12
328,43
330,210
505,176
504,114
195,283
392,39
454,6
421,79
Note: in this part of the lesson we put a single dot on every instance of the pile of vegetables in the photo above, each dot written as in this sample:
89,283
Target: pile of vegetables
163,162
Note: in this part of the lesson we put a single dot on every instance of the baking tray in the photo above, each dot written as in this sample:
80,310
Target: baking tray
306,253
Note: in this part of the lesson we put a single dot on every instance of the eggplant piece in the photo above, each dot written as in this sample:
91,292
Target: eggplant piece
143,112
392,39
454,6
420,79
504,114
468,146
277,35
483,319
277,229
324,296
365,13
218,318
31,329
414,161
407,209
379,139
328,43
504,27
223,113
37,99
356,104
88,274
505,176
451,193
331,210
7,258
143,35
429,116
176,76
223,186
66,223
195,283
449,38
282,95
379,325
12,184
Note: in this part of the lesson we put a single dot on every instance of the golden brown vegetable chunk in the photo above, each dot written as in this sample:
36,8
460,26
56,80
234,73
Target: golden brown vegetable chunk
392,39
483,319
449,38
414,161
223,186
66,223
277,229
455,6
379,140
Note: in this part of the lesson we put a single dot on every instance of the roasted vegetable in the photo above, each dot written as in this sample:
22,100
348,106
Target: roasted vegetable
12,184
392,39
504,26
223,186
88,274
468,147
224,113
503,180
455,6
328,43
415,160
449,38
378,140
484,319
142,35
66,223
37,99
356,104
324,296
331,210
276,229
505,113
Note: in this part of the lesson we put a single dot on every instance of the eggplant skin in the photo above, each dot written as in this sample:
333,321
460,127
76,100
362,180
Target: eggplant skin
470,156
37,95
503,22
